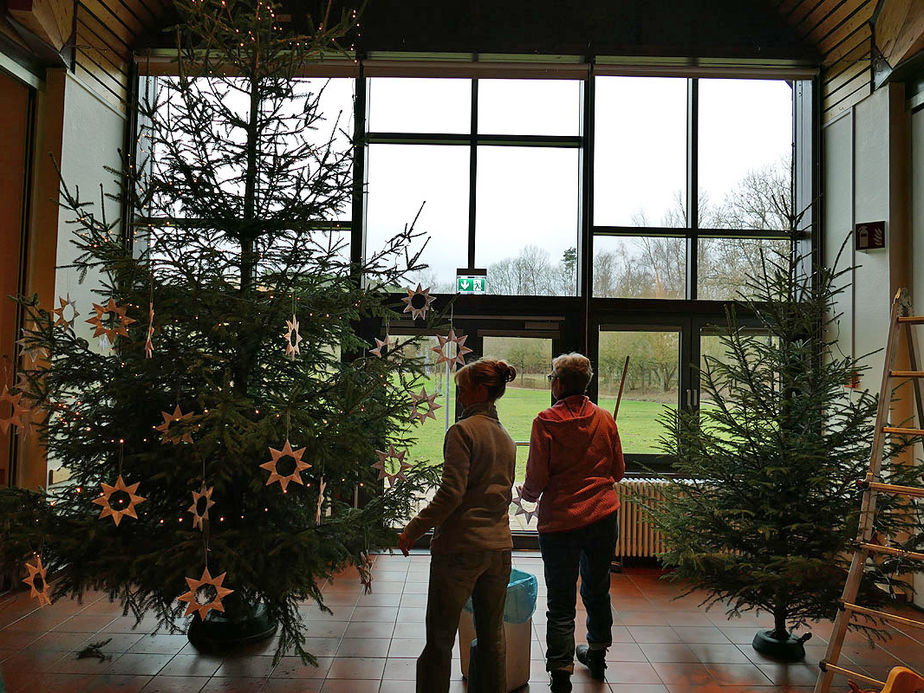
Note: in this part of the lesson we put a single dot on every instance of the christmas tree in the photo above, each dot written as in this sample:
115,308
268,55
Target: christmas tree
767,501
222,426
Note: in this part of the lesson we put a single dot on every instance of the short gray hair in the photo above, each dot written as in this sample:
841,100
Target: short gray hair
574,371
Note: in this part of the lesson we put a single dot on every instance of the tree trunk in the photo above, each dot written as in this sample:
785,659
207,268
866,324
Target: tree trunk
779,625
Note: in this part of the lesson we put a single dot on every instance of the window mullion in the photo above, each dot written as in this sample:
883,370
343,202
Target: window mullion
692,187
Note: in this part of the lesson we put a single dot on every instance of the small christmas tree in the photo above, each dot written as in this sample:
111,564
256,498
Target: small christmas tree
220,434
768,503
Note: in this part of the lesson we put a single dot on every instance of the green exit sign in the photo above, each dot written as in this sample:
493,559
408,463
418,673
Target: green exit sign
471,284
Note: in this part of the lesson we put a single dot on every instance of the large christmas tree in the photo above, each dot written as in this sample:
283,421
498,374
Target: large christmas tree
225,418
767,501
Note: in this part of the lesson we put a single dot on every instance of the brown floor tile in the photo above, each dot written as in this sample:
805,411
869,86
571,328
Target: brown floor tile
53,683
380,614
653,634
233,685
260,666
632,672
293,685
139,664
350,686
709,653
643,618
370,629
738,675
159,644
620,652
116,683
357,668
670,652
363,647
295,668
685,673
176,684
406,647
400,670
191,665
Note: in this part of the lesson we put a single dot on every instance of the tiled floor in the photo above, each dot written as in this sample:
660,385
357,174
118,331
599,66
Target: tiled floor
370,643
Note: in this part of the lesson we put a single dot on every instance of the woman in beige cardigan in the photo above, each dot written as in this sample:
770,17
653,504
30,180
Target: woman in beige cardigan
470,550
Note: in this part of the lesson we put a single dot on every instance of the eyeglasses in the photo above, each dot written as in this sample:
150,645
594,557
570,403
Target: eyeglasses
551,376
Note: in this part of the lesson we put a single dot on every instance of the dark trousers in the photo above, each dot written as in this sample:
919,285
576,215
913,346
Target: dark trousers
454,577
590,551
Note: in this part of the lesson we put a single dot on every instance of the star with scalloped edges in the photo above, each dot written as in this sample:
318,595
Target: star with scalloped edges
200,518
105,500
518,501
293,338
277,455
61,319
214,604
118,312
461,349
398,459
16,410
29,349
380,345
419,293
169,419
37,581
429,400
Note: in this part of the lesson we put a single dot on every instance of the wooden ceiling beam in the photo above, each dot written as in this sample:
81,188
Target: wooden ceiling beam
899,31
50,20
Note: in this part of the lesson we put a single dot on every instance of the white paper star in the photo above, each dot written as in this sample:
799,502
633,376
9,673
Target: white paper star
421,294
67,306
379,345
518,501
398,460
293,338
430,402
461,349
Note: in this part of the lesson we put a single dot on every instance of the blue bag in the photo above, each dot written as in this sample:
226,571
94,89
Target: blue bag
522,590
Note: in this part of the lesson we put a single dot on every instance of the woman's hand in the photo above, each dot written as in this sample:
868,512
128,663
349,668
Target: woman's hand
405,544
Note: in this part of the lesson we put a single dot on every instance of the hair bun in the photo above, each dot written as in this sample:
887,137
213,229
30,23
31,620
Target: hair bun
510,373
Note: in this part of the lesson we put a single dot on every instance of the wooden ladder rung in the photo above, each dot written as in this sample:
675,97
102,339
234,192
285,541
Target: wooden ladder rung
912,491
826,666
857,609
896,430
911,319
901,553
906,374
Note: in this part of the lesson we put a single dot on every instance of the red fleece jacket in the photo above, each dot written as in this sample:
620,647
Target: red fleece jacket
575,459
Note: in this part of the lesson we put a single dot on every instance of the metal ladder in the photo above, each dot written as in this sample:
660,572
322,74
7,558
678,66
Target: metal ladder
900,321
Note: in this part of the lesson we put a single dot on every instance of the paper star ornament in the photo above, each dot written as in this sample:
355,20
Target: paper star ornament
200,517
321,487
364,568
379,345
284,479
148,344
38,584
293,338
16,410
423,399
120,327
461,349
518,501
398,464
422,296
31,349
194,600
179,417
105,500
66,313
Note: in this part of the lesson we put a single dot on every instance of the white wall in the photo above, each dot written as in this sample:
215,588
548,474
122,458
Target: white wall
859,186
93,134
917,244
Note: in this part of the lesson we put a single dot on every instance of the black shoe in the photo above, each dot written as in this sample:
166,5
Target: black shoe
595,660
561,681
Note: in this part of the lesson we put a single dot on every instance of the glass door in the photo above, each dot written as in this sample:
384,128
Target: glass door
652,386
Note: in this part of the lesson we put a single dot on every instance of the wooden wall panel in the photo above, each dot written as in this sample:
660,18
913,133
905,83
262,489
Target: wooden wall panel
842,32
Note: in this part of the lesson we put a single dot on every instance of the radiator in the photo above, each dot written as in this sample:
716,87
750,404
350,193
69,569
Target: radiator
637,538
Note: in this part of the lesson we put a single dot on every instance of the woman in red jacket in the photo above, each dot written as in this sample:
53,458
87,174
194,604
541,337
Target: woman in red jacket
575,459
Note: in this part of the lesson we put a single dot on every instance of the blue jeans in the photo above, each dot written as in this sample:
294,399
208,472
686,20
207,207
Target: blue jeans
590,550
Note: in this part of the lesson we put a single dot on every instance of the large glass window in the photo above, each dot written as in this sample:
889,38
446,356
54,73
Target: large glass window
527,220
419,105
745,153
427,182
639,267
640,162
529,107
652,383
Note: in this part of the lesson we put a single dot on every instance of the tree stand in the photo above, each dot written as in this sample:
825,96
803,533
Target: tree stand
224,633
789,650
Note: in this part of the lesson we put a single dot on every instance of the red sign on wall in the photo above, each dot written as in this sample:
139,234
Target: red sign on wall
869,235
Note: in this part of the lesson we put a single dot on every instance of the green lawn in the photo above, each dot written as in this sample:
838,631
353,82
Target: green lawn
638,426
